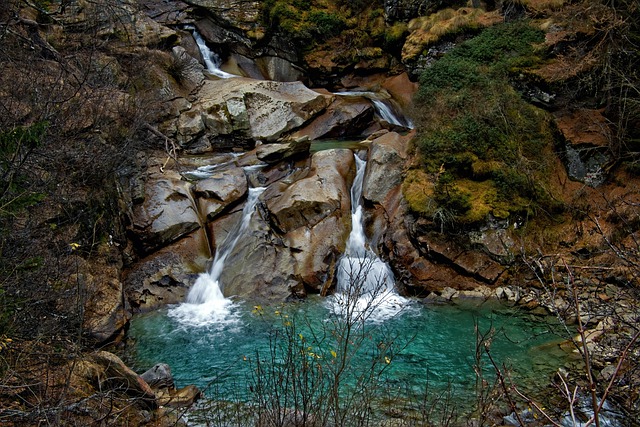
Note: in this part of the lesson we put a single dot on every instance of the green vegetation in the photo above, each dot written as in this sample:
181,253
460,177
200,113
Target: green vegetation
15,147
484,148
302,22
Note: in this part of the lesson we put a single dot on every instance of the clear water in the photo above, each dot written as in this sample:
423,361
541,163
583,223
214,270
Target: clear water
434,343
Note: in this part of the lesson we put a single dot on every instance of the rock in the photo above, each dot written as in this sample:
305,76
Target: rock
182,398
387,157
449,293
323,193
159,376
113,374
165,276
165,215
401,89
252,109
496,242
316,250
240,13
174,13
220,190
106,312
345,117
274,153
189,72
278,69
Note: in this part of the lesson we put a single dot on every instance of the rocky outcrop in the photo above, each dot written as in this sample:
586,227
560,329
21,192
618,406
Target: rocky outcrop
587,136
345,117
219,190
296,235
164,213
106,311
312,199
248,109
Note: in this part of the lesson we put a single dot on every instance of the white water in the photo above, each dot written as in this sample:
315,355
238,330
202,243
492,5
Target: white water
211,59
206,303
383,109
365,283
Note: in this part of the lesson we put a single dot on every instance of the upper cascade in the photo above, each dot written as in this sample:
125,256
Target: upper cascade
211,59
384,107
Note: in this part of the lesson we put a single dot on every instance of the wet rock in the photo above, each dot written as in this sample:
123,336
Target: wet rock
274,153
165,277
387,157
278,69
220,190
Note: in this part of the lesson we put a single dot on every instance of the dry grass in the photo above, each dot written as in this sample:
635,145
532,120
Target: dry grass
428,30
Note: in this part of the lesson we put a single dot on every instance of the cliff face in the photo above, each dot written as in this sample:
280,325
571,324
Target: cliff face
102,105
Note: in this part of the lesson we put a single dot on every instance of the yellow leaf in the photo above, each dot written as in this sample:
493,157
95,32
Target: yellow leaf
387,360
333,353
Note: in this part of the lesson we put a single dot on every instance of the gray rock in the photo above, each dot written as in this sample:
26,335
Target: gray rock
254,109
159,376
166,214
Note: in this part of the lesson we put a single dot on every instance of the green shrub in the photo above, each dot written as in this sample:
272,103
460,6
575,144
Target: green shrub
476,127
326,24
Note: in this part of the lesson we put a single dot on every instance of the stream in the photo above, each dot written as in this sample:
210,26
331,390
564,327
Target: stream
216,342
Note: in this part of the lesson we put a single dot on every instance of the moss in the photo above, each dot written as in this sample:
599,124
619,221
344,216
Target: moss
417,189
481,197
494,147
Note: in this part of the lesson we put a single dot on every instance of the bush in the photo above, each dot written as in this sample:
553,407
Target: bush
476,127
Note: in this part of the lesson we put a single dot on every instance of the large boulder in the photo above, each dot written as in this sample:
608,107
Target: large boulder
310,200
346,116
387,158
165,276
250,109
164,212
106,312
219,190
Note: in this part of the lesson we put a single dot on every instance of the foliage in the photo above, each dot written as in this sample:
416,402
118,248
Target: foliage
15,147
475,128
302,21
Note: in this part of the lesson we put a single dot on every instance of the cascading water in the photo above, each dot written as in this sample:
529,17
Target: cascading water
365,283
211,60
206,303
383,108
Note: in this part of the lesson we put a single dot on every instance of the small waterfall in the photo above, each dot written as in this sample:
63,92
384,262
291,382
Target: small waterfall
384,108
206,303
211,59
365,283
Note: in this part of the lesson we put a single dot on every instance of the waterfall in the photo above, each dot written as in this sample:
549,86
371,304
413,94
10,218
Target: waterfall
365,283
211,59
206,303
383,107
